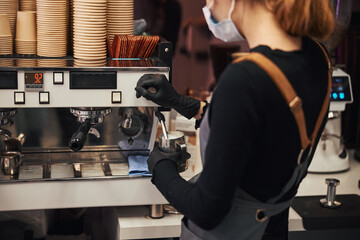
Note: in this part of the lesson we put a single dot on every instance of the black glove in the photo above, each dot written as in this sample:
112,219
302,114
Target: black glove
166,95
157,155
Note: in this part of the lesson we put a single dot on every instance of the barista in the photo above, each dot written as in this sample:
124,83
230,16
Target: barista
249,137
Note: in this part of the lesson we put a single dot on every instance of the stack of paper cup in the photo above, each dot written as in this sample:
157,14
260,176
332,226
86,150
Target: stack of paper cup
10,8
26,62
90,63
120,18
25,41
6,43
52,21
28,5
71,27
6,62
51,63
90,29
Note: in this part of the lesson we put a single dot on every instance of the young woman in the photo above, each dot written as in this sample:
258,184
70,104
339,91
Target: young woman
250,135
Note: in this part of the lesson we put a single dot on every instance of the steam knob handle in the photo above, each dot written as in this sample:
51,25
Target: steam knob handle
2,146
78,139
329,201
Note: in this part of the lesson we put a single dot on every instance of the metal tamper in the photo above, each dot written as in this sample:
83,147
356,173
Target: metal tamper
329,201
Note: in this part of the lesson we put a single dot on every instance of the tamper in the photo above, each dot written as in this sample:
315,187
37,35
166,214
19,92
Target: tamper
329,201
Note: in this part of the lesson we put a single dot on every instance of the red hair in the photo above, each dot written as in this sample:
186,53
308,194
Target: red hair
313,18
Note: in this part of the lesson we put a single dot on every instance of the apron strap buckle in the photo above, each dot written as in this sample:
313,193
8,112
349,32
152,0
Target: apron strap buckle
295,104
260,216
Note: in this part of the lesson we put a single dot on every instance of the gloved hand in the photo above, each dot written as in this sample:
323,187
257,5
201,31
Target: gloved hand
157,155
166,95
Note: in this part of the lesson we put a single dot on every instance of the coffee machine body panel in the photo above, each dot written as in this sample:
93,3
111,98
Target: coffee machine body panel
50,130
75,88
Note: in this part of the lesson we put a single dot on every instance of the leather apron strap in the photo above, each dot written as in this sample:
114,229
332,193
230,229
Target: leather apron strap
293,100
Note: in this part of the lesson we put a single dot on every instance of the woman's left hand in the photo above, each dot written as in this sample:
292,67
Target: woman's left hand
157,155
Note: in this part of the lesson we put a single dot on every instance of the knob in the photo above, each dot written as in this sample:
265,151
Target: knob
329,201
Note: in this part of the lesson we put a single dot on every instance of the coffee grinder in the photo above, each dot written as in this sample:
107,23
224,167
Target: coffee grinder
330,155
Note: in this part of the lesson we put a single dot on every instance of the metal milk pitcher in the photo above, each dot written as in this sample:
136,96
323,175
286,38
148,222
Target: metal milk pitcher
10,162
175,143
11,156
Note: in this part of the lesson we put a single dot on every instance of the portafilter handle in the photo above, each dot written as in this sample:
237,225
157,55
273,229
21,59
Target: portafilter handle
78,139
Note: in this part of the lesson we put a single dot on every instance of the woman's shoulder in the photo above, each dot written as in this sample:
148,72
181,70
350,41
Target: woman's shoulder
243,81
243,74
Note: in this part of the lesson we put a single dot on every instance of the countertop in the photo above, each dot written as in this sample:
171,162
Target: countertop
133,223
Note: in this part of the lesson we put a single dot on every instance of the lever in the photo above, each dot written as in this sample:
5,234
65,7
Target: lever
329,201
78,139
2,146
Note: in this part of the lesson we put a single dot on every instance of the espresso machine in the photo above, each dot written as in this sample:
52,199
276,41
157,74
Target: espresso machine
70,122
330,155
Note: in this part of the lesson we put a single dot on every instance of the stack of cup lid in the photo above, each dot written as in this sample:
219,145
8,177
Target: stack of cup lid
89,29
120,18
10,8
6,43
28,5
25,41
52,21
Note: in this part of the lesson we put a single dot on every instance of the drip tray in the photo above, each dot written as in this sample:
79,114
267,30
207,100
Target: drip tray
316,217
72,166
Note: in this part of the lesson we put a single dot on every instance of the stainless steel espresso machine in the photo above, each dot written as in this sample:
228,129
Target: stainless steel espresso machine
73,123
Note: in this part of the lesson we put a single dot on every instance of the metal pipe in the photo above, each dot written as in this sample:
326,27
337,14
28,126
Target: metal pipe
157,211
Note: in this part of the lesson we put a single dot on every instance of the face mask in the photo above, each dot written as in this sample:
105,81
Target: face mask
224,30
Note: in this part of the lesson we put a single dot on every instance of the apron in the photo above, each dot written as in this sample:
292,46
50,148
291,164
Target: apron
248,217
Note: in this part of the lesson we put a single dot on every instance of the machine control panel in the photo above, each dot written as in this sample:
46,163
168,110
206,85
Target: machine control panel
61,88
340,89
34,80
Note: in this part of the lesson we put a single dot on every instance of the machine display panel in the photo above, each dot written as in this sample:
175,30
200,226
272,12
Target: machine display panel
8,80
93,80
340,89
34,80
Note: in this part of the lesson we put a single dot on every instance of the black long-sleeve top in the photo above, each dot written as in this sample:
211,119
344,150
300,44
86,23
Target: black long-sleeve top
254,141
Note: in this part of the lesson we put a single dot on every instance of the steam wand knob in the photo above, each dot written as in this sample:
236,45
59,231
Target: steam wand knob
329,201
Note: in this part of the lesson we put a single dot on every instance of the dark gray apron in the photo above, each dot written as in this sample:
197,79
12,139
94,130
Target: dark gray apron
244,219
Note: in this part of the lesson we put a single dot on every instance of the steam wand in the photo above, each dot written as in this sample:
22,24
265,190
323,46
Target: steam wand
161,118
